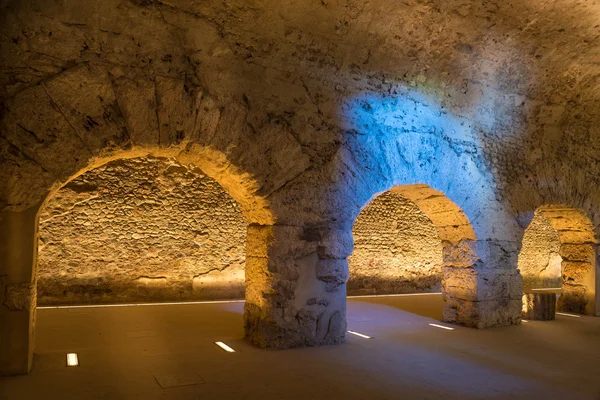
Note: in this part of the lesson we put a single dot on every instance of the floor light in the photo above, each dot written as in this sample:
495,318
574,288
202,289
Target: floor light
568,315
225,347
72,360
442,326
360,334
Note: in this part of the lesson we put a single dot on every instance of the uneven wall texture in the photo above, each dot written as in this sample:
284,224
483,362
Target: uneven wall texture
539,259
303,111
560,240
151,229
397,249
140,229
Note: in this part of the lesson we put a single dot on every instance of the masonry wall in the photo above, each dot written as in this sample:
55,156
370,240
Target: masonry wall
396,249
143,229
150,229
539,259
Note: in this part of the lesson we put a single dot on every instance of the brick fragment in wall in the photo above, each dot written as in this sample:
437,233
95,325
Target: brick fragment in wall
397,249
142,229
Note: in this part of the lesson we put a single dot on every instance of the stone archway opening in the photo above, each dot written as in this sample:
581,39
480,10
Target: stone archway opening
140,230
559,254
397,249
414,239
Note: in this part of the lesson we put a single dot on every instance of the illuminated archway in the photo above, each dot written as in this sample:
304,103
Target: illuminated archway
444,230
143,229
84,118
559,252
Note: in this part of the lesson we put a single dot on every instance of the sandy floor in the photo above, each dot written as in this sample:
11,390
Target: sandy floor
168,352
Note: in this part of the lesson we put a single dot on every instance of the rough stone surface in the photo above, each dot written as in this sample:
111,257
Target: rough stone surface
144,229
559,251
20,297
305,111
397,249
539,259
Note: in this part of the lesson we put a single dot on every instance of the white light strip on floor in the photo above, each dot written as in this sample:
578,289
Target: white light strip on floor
442,326
568,315
225,347
393,295
143,304
211,302
72,360
360,334
552,288
524,320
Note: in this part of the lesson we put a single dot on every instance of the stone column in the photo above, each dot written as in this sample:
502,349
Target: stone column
579,288
18,249
481,285
295,287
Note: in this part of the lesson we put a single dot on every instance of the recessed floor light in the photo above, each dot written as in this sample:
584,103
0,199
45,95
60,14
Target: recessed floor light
72,360
225,347
360,335
524,320
569,315
442,326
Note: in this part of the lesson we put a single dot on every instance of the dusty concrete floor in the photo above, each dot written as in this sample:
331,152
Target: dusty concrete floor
129,352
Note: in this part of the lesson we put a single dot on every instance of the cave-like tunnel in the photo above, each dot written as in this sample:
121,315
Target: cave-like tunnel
398,194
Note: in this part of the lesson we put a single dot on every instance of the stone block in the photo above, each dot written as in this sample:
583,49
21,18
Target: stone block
577,252
463,254
84,95
333,272
481,285
335,244
482,314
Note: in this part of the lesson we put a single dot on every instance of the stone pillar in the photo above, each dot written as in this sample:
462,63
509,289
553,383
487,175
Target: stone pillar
579,275
18,248
481,285
295,287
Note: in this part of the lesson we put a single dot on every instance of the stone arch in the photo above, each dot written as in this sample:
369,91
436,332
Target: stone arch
559,250
397,249
87,116
457,245
144,229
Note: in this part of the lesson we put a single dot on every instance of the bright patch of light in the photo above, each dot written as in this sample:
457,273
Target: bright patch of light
552,288
144,304
393,295
225,347
210,302
360,335
72,360
524,320
569,315
442,326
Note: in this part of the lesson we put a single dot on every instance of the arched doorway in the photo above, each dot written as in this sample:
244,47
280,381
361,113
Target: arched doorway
144,229
559,253
84,118
413,238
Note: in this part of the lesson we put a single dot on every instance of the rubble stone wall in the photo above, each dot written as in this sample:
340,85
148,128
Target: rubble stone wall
397,249
142,229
